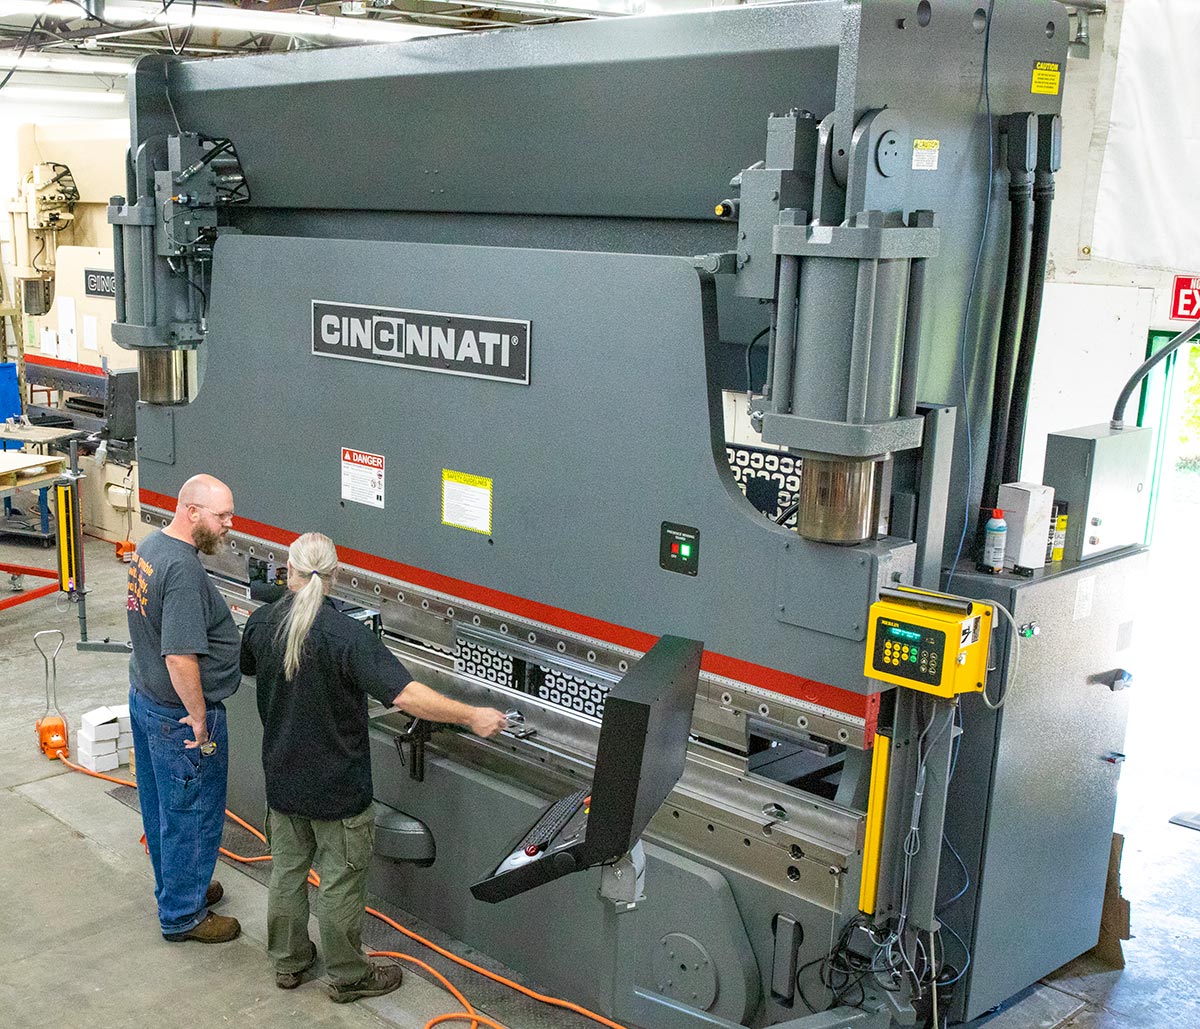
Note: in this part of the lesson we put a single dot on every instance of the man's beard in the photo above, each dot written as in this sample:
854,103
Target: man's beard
206,540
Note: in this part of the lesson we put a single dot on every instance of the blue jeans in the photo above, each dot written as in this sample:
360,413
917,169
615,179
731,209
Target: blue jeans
182,796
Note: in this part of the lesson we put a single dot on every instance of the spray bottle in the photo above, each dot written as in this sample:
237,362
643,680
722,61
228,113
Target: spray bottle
995,537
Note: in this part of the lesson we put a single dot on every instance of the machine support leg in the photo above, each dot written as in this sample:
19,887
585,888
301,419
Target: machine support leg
72,579
622,886
926,866
920,771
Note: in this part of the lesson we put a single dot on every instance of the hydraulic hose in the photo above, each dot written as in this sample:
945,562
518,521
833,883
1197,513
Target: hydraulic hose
1006,348
1049,161
1022,158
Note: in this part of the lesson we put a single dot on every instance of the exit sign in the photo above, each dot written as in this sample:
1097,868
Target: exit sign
1185,298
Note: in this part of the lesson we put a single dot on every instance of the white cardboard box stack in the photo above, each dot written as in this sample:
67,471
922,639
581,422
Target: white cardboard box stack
104,738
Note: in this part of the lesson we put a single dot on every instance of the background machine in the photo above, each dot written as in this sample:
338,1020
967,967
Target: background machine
69,374
472,306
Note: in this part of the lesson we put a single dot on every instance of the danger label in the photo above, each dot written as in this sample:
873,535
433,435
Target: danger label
925,154
1047,78
362,477
1185,298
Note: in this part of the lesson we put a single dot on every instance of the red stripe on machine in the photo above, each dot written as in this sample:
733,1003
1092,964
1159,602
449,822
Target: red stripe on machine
67,366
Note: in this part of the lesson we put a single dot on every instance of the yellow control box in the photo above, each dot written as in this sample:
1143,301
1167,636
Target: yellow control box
932,642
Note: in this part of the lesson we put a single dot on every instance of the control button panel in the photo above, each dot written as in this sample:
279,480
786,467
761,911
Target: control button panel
911,651
679,548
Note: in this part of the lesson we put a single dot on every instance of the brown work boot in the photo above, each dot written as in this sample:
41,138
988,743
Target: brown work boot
380,980
214,893
214,929
290,980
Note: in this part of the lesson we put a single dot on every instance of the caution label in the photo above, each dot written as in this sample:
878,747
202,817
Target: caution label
362,477
1047,78
467,501
925,154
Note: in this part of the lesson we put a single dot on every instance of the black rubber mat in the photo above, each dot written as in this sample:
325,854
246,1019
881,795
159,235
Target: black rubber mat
496,1001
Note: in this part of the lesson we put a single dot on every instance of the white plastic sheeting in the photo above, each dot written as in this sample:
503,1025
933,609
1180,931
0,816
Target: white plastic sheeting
1148,207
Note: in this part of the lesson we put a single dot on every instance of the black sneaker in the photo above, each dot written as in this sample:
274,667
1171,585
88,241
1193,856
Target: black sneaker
380,980
290,980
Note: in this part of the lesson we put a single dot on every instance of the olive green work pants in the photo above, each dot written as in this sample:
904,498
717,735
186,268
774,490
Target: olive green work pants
340,851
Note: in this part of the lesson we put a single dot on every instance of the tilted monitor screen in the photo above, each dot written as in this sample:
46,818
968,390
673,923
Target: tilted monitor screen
643,745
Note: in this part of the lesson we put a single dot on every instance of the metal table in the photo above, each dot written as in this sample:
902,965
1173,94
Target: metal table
37,440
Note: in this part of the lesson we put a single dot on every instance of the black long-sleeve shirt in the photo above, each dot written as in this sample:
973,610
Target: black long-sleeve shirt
316,751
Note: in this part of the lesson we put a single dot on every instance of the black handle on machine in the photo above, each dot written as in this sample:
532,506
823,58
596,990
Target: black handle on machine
416,735
1115,679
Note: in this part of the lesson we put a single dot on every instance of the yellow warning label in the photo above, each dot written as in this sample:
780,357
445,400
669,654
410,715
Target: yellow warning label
1047,78
925,154
467,501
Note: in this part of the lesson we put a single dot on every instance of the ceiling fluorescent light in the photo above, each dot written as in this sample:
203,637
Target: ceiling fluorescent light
62,96
378,31
69,64
236,19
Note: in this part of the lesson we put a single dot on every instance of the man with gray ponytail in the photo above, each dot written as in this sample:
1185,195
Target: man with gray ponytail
315,669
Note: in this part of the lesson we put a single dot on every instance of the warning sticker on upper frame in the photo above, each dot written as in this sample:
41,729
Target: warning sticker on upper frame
925,154
1047,78
362,477
467,501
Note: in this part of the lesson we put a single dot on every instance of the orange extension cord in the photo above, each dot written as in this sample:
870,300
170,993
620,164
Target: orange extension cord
468,1014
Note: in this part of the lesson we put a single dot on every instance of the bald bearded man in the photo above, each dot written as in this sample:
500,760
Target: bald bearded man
184,664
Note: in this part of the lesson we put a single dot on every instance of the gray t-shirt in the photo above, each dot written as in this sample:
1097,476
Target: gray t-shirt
173,608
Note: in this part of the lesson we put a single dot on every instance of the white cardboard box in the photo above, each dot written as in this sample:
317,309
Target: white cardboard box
1027,508
94,748
125,741
122,713
101,763
98,716
100,724
94,733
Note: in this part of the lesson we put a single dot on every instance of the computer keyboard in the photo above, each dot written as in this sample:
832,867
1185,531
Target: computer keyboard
551,823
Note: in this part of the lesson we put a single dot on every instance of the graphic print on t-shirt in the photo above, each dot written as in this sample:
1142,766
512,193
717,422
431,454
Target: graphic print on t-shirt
140,573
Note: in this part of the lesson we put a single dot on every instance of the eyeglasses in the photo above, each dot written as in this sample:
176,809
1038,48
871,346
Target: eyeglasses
221,516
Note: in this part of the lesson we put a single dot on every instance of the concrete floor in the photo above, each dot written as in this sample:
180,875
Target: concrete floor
79,940
79,943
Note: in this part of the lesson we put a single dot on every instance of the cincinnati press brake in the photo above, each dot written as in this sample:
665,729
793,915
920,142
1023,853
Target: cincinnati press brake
473,307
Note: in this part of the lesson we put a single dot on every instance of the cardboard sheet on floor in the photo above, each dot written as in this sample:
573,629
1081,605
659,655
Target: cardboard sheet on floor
1041,1005
1114,918
1188,819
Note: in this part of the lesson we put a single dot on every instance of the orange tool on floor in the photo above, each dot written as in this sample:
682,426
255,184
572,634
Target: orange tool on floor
51,729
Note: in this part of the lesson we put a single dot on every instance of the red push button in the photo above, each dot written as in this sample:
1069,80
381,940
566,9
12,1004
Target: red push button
531,849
